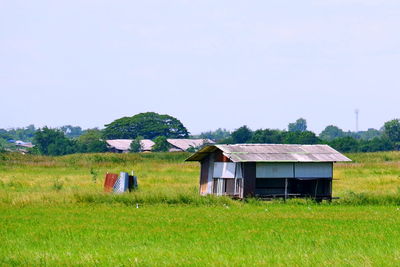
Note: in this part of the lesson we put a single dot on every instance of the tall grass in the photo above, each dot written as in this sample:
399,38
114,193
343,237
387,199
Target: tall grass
371,179
370,174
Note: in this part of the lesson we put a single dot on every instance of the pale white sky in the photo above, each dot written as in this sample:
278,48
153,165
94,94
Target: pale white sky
209,63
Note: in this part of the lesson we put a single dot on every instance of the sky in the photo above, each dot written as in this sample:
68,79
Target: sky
209,63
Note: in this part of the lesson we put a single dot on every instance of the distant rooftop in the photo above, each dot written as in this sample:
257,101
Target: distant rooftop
185,144
147,144
124,144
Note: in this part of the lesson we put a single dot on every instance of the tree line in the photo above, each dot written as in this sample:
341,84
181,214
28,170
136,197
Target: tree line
385,139
72,139
157,127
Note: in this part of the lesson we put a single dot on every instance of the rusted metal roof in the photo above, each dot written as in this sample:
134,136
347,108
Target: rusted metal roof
185,144
273,153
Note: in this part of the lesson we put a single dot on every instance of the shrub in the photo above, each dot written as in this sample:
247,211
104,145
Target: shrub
58,184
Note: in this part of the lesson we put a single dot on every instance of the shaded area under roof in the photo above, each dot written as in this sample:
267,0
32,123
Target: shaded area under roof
273,153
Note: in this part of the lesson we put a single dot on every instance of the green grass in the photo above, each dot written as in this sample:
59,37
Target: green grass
156,235
53,212
373,174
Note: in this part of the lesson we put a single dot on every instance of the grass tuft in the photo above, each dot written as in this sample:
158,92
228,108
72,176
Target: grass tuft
131,199
362,199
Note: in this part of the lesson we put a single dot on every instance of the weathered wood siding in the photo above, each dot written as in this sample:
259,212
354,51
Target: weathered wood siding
220,157
204,169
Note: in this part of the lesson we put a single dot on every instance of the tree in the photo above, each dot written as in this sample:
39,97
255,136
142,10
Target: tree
161,144
216,135
331,132
267,136
376,144
299,126
306,137
5,135
91,142
24,134
392,131
242,135
370,134
71,131
136,145
53,142
345,144
149,125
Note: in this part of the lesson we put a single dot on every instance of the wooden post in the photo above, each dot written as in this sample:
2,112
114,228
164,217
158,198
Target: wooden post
316,188
286,184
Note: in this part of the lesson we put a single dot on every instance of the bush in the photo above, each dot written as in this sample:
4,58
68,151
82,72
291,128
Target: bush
136,145
58,184
53,142
161,144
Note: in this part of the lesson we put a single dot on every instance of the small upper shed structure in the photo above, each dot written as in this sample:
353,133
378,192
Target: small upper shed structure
267,170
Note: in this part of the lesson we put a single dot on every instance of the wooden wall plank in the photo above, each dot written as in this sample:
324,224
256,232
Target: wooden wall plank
204,168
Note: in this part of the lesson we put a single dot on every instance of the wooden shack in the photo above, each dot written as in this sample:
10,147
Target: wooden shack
267,170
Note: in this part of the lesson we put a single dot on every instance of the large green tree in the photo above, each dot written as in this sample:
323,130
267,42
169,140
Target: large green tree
91,142
345,144
267,136
242,135
161,144
331,132
149,125
298,137
392,131
53,142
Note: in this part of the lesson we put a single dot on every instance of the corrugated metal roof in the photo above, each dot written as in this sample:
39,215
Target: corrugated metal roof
124,144
185,144
120,144
273,153
146,144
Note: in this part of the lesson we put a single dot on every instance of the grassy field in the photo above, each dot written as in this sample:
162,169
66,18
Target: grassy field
53,212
